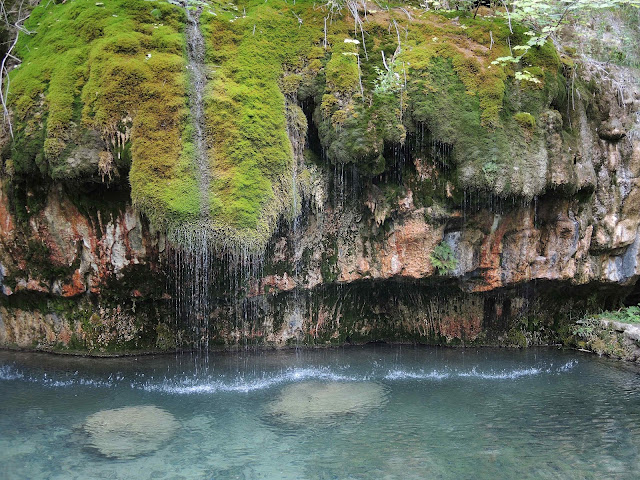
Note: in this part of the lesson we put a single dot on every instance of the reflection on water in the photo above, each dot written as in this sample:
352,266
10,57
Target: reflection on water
357,413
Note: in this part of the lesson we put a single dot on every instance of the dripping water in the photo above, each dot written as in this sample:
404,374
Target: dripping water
298,145
192,263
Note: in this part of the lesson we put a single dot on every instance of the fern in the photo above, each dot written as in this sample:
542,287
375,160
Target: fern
443,259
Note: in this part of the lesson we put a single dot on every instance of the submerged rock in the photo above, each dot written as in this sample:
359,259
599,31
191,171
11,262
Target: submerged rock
317,401
130,431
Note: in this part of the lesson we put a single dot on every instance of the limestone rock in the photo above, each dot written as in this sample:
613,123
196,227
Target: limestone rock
83,160
317,402
129,432
612,130
563,207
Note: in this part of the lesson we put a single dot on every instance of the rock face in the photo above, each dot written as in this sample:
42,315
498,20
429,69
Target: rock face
408,255
56,262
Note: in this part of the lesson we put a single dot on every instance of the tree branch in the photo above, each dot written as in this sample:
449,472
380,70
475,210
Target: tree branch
4,70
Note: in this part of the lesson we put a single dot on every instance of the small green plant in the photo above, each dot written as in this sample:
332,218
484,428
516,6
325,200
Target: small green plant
625,315
526,76
388,80
490,170
443,258
586,329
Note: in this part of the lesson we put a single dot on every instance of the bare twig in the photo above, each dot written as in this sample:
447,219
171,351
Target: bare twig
3,97
508,14
397,31
4,70
406,12
353,9
384,61
360,79
325,33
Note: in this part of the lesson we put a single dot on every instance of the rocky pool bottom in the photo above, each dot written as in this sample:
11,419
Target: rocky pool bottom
375,412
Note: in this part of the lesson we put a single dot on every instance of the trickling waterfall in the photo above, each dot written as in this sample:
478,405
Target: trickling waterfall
198,79
202,267
298,143
192,254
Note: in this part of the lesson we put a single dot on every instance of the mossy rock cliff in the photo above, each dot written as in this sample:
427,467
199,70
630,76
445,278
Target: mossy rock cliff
102,95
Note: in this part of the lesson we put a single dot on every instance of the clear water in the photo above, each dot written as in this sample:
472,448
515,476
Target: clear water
356,413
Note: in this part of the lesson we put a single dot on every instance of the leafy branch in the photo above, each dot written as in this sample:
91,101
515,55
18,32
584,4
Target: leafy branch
545,18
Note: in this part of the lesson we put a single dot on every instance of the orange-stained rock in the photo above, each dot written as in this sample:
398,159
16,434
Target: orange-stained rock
279,282
75,287
407,249
6,220
60,236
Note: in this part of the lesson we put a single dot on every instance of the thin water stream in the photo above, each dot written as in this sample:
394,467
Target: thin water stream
359,413
192,255
198,81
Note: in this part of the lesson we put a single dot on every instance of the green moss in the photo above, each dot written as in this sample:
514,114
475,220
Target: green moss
516,338
545,57
341,70
92,67
454,117
251,156
329,264
591,334
119,69
525,120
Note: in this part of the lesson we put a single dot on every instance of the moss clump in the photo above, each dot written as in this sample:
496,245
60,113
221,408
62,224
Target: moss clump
250,154
592,334
516,338
440,79
525,120
117,69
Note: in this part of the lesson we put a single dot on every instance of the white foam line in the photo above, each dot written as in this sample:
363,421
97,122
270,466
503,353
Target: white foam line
421,375
240,385
528,372
195,385
474,373
9,373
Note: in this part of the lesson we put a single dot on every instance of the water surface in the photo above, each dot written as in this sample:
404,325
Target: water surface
356,413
